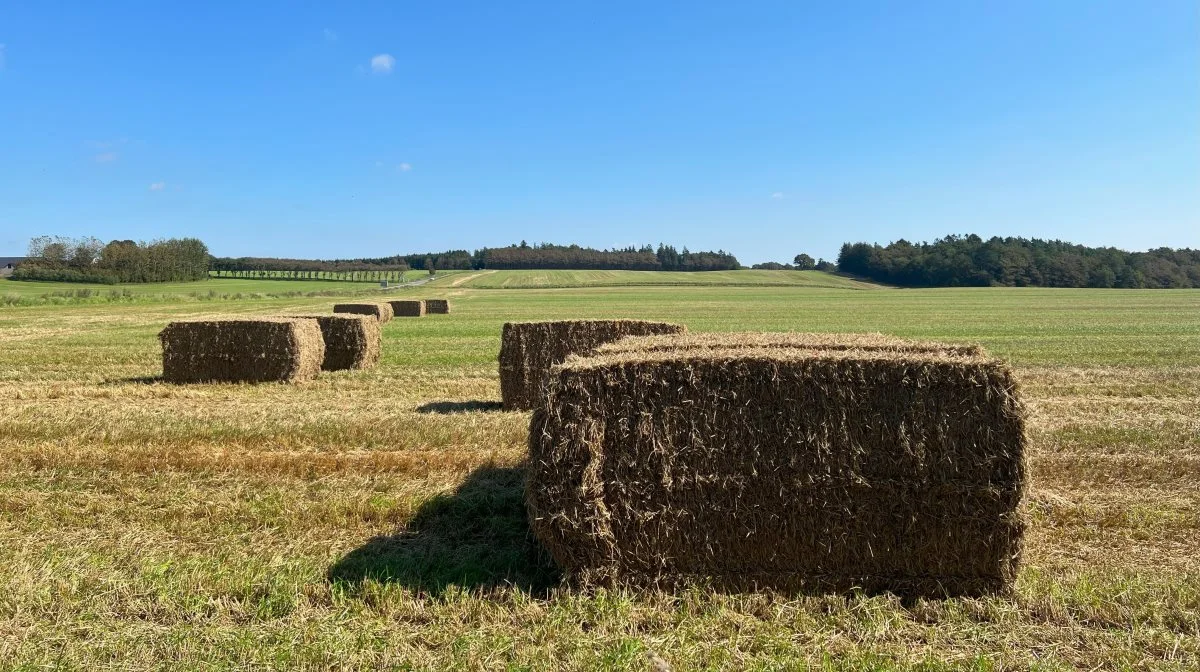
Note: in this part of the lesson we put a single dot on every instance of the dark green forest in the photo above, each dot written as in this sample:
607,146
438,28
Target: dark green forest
970,261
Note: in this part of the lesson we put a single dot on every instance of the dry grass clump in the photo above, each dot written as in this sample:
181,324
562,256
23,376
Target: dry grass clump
242,350
529,349
351,341
782,467
382,311
409,308
437,306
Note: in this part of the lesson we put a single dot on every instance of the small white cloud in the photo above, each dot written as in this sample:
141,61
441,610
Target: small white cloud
158,186
379,164
105,157
404,167
382,64
330,36
778,195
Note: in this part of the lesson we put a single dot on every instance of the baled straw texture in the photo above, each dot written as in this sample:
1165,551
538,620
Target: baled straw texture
529,349
381,311
807,341
351,341
409,308
242,350
437,306
785,468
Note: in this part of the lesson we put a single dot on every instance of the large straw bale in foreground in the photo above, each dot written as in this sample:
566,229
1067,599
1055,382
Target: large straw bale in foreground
381,311
408,308
437,306
529,349
781,467
242,350
351,341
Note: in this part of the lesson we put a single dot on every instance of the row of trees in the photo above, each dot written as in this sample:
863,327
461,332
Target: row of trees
272,264
802,262
970,261
344,276
88,259
524,255
645,258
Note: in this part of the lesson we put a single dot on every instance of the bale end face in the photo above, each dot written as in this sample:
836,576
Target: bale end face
351,341
783,468
437,306
242,350
409,308
529,349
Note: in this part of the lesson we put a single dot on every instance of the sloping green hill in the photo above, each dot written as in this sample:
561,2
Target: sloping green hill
551,279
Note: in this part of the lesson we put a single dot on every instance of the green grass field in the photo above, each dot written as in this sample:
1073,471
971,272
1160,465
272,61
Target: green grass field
571,279
373,520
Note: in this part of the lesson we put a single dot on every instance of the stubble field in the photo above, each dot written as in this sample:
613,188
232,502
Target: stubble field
374,519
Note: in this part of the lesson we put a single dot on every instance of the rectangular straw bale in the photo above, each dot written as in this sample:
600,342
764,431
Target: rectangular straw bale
437,306
409,308
382,311
784,468
529,349
242,350
351,341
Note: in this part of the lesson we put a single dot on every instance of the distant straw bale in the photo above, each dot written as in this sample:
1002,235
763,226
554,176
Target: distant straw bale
382,311
351,341
786,468
409,308
242,350
529,349
437,306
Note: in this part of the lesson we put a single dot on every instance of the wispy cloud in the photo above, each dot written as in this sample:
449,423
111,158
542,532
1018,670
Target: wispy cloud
779,195
382,64
105,157
330,36
108,144
404,167
158,186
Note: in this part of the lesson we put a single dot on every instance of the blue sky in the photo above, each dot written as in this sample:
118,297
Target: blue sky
763,128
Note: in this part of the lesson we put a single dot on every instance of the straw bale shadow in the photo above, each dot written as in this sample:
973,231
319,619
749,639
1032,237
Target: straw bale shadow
477,538
135,380
451,407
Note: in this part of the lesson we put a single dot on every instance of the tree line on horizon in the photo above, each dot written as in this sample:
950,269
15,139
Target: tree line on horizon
952,261
542,256
970,261
88,259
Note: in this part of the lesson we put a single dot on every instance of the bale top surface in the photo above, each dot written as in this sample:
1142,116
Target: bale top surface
771,352
810,341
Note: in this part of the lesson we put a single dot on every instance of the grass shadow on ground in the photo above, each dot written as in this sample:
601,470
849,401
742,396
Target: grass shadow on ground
135,380
451,407
477,538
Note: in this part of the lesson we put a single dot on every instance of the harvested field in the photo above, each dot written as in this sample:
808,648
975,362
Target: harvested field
409,308
381,311
529,349
437,306
789,468
351,341
154,526
242,350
